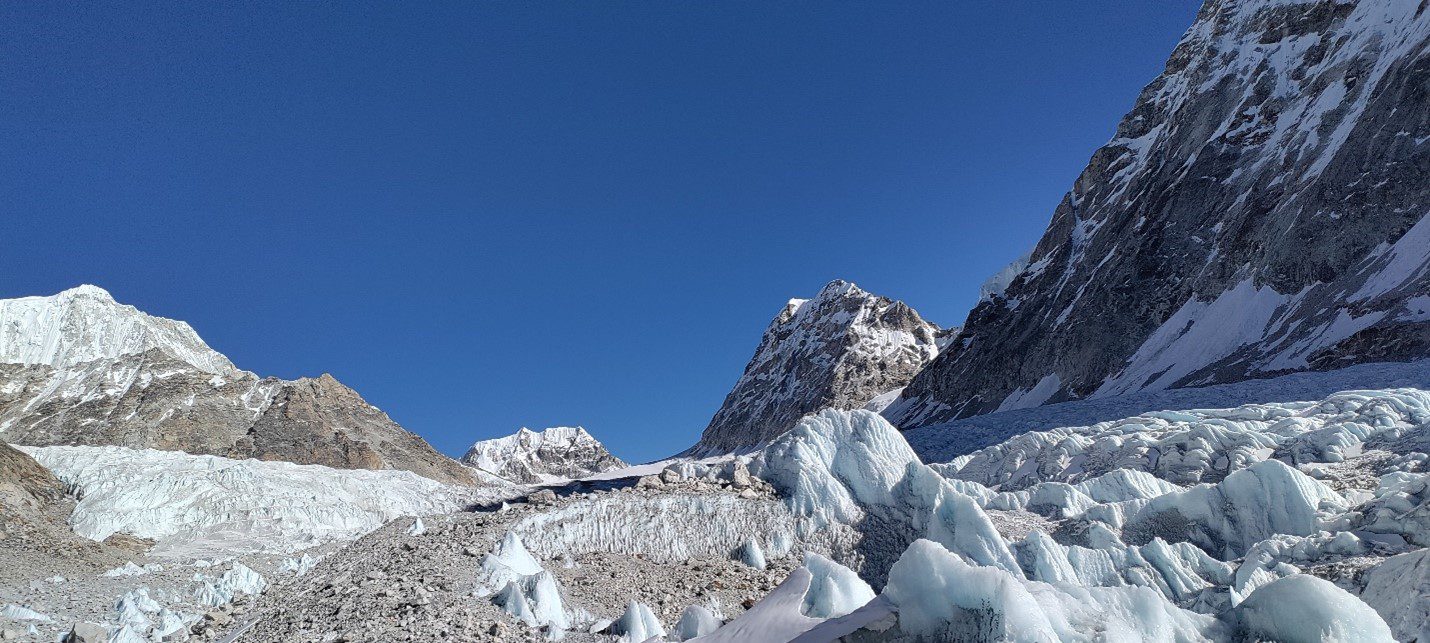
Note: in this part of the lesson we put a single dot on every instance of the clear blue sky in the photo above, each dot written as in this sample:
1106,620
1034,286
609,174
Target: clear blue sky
483,215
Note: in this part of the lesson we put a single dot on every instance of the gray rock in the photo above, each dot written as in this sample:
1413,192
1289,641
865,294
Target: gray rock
542,497
87,633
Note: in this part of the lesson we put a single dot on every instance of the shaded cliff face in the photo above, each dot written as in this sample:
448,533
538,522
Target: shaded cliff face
1261,210
841,349
147,394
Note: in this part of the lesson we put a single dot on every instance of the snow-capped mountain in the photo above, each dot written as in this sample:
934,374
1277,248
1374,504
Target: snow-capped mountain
85,324
529,457
1262,209
842,349
85,370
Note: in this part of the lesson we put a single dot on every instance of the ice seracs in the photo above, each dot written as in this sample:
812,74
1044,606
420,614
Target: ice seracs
196,505
549,455
1306,609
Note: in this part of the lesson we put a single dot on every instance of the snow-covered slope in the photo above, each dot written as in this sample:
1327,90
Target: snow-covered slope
1262,209
529,457
841,349
85,324
199,505
79,368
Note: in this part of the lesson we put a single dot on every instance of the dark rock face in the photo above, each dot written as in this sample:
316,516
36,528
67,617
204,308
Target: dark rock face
1261,210
839,350
155,399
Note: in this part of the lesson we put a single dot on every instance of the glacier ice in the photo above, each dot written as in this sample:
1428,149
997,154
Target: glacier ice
509,561
1399,590
1204,445
637,624
819,590
834,590
751,554
1306,609
666,528
1250,505
239,579
853,468
535,600
20,613
194,504
298,566
1167,534
776,617
939,596
695,621
524,589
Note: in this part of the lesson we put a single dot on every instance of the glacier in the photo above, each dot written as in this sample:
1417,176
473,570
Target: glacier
200,505
1193,525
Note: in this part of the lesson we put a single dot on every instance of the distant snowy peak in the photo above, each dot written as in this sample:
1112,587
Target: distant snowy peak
1262,209
841,349
85,324
532,457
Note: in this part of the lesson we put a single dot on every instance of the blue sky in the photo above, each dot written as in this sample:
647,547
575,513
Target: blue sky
489,215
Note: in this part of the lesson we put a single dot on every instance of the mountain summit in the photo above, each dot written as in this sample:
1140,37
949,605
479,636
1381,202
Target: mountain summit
841,349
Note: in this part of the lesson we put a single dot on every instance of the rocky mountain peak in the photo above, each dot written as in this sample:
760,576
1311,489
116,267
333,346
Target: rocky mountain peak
841,349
